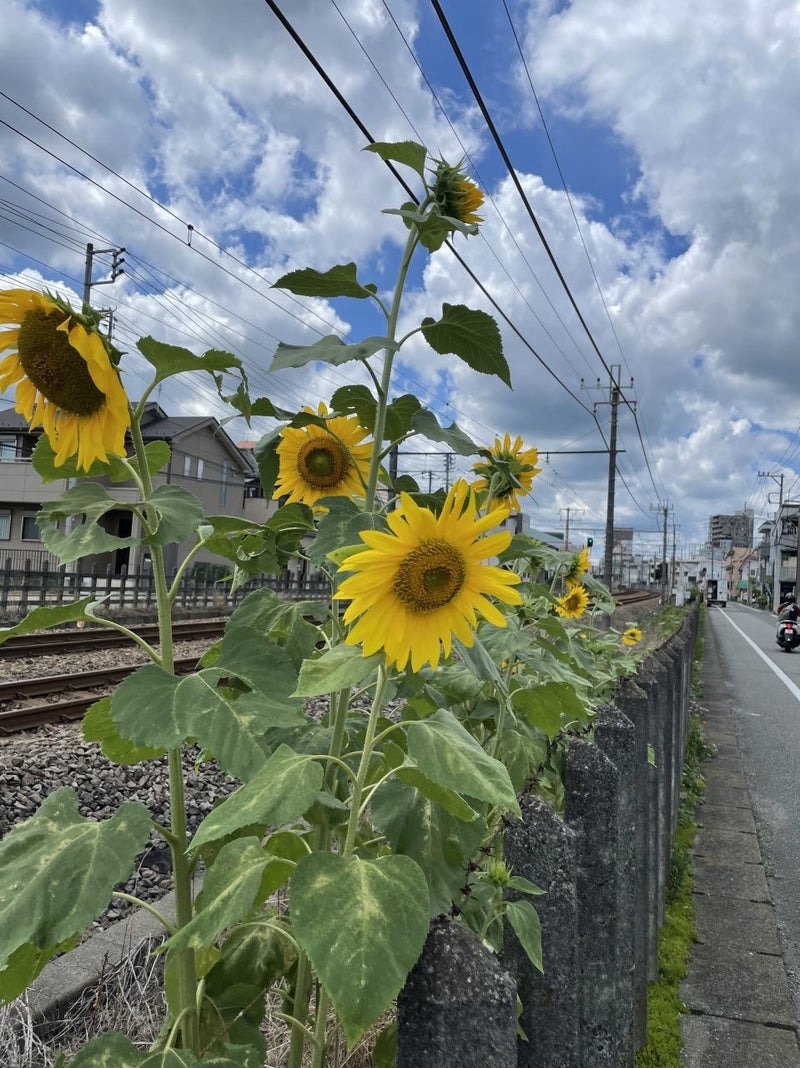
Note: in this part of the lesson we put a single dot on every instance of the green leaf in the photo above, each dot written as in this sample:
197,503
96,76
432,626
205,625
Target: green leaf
114,1050
384,1052
453,802
284,623
43,460
280,792
424,422
257,954
180,514
525,923
258,662
362,924
57,870
356,400
421,829
339,281
91,500
548,706
42,618
400,416
24,965
341,526
471,335
478,660
408,153
230,890
448,754
145,711
98,726
171,360
330,349
525,886
232,730
268,461
337,668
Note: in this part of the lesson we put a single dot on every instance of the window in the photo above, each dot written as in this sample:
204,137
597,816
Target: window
187,466
223,486
5,525
30,528
8,448
200,466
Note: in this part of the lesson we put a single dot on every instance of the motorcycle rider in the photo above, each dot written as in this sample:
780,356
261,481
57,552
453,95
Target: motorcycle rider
789,609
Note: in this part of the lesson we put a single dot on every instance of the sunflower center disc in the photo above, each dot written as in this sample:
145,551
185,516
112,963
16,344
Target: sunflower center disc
322,462
430,576
57,370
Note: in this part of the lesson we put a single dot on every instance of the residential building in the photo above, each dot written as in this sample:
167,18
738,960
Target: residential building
204,461
741,573
737,529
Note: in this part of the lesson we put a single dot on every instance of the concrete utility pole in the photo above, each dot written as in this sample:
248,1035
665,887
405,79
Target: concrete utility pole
776,562
615,396
664,508
569,510
117,259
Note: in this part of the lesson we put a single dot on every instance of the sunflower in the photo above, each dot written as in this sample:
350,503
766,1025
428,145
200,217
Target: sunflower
328,461
416,587
631,636
66,382
506,469
578,566
574,602
456,195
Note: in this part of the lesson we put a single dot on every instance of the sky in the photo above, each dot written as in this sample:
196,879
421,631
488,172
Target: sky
655,148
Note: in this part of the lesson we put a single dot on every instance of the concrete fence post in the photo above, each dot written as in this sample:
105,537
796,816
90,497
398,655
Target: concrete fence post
458,1006
540,847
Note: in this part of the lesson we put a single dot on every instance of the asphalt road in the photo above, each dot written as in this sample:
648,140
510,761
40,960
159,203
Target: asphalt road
764,687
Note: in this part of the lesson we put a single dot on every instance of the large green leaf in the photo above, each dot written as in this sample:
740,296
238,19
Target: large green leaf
24,965
549,706
261,664
171,360
471,335
257,953
330,349
341,526
362,924
478,660
98,726
407,152
448,754
335,669
285,623
230,890
42,618
91,500
58,869
524,919
179,513
423,830
230,729
114,1050
424,422
145,710
281,791
340,281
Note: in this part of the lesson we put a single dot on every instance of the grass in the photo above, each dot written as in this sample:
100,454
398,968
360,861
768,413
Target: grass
664,1005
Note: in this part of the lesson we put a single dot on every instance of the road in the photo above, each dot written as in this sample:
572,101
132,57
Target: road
764,687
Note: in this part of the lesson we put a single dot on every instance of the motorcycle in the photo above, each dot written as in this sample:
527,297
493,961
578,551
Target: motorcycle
788,634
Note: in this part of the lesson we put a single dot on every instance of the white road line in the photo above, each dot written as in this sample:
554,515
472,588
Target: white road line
787,682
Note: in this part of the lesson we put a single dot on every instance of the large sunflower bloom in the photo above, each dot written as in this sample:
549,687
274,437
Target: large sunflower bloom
457,196
65,380
631,636
416,587
507,468
318,462
573,604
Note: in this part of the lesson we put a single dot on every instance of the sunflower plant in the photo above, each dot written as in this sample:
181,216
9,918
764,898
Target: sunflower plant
450,664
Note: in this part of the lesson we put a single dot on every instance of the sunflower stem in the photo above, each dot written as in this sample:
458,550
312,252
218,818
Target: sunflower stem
366,757
386,376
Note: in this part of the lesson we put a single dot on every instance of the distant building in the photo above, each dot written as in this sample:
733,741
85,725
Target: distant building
736,529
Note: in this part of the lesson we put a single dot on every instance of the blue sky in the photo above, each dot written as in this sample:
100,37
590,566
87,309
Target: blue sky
670,127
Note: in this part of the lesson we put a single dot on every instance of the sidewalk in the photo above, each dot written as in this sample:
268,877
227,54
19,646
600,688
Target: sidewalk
740,1013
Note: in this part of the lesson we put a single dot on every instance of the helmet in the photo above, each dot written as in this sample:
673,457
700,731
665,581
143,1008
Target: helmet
790,599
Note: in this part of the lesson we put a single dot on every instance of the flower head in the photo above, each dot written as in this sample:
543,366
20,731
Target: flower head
631,636
456,195
574,602
506,469
328,461
416,587
579,566
65,380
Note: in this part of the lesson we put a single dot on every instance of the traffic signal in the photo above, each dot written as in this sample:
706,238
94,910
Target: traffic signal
590,542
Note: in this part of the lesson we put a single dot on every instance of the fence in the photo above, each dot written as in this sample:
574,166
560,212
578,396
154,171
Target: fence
604,866
24,588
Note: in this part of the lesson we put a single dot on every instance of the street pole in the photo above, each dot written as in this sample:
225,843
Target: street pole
608,548
776,560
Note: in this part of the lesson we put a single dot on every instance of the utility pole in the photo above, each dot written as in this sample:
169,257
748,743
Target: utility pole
117,259
776,563
615,396
665,509
566,525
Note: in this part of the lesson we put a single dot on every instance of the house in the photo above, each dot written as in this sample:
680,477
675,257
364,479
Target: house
741,572
204,461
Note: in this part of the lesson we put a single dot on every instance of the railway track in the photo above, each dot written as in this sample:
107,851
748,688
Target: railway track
634,596
72,694
88,639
